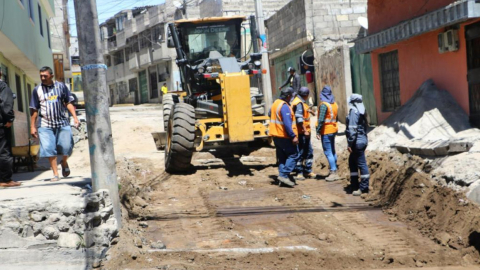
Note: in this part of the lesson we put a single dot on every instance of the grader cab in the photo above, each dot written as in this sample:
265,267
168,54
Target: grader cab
224,105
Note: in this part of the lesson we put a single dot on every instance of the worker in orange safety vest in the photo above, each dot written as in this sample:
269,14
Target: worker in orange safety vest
327,129
305,151
284,131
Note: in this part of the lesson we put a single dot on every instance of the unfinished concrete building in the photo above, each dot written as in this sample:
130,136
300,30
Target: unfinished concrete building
322,31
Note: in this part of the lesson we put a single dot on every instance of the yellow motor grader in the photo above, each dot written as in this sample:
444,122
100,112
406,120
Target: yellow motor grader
224,104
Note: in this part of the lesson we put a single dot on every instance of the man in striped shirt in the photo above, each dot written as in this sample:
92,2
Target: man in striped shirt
49,120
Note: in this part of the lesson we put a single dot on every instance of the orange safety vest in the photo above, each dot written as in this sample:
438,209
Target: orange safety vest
330,125
306,115
276,127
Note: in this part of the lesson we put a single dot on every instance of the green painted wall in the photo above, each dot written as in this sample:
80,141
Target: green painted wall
25,33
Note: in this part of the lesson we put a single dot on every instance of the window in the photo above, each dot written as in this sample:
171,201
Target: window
118,58
119,21
132,85
157,33
18,86
76,60
48,35
133,44
30,10
108,61
390,82
145,39
40,19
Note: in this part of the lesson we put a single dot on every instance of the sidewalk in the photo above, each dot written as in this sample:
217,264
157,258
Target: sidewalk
44,224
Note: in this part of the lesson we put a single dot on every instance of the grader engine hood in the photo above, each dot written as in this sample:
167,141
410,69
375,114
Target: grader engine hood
237,109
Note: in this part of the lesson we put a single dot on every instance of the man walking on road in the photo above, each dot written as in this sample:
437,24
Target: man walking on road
283,129
6,120
357,127
327,129
293,81
305,150
50,102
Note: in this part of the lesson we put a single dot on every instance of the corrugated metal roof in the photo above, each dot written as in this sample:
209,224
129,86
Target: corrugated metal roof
454,13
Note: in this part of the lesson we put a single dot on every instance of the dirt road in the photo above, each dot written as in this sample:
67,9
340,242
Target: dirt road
228,213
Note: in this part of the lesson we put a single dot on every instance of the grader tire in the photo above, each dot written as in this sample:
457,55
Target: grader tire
167,109
180,138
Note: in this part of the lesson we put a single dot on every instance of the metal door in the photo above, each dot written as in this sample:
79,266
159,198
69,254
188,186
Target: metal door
142,77
473,59
362,82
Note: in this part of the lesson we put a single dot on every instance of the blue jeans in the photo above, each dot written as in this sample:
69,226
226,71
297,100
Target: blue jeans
287,155
357,161
55,141
305,155
328,144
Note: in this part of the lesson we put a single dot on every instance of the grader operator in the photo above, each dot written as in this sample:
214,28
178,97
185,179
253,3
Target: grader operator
223,105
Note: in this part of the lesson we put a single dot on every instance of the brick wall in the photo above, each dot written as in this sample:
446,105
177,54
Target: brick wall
287,25
334,22
211,8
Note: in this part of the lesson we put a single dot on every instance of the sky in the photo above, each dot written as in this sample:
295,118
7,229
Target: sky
108,8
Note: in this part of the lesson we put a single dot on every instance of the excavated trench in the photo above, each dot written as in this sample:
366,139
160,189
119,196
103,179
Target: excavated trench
229,213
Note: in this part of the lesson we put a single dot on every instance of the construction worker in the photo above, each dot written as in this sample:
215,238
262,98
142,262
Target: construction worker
327,129
356,132
305,150
292,81
283,129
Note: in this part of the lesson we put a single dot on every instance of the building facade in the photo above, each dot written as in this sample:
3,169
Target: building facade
315,35
416,40
60,35
137,57
25,46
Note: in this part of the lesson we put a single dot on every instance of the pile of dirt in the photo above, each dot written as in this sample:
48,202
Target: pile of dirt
403,186
430,115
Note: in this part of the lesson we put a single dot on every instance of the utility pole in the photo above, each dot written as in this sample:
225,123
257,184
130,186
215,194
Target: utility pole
100,141
266,84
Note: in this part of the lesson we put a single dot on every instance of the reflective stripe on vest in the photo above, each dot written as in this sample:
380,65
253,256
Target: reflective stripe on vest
276,127
332,119
330,125
306,114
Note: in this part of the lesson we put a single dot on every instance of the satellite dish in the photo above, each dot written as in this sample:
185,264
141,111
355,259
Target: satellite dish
177,4
363,22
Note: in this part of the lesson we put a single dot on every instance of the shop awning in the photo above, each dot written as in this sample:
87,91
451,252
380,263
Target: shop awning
454,13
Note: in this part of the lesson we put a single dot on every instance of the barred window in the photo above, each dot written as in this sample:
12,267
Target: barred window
390,81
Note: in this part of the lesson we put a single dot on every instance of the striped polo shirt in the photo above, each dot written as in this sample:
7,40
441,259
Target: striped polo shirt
51,104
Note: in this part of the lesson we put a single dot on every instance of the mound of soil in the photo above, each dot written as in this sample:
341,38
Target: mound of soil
402,185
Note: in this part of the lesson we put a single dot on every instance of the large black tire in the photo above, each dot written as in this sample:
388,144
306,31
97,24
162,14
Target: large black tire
180,138
167,109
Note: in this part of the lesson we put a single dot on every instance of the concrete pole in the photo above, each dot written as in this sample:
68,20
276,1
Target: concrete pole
100,142
266,84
